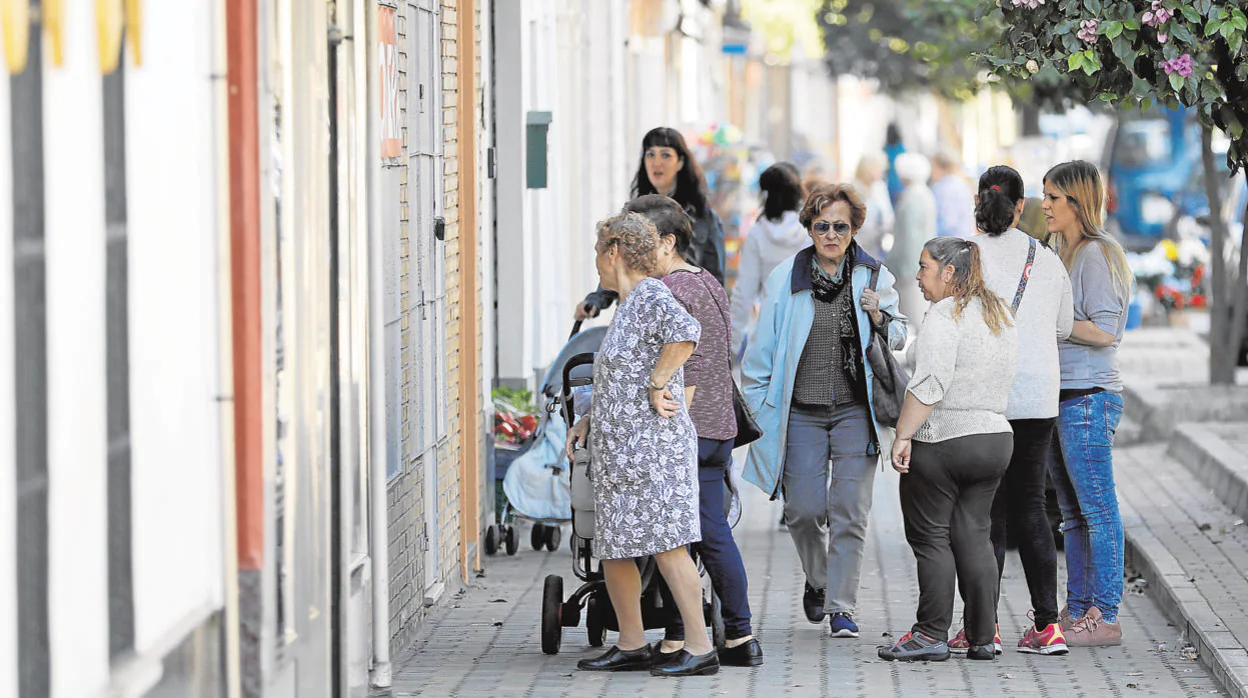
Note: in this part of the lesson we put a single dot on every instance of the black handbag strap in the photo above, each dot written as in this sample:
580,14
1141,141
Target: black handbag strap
1022,282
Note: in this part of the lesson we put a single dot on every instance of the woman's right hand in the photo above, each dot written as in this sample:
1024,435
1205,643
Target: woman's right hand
664,403
901,455
578,435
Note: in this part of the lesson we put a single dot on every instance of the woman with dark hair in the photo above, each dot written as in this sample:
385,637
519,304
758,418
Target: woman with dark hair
806,383
774,237
1033,280
953,445
667,167
1089,404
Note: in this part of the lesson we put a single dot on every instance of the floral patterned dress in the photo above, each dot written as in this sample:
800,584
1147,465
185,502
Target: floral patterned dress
645,467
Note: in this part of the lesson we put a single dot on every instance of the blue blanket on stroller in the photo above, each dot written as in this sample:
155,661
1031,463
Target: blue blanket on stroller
537,483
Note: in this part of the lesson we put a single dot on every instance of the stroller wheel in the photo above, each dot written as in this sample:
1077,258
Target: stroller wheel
594,623
552,610
537,536
491,540
512,540
553,535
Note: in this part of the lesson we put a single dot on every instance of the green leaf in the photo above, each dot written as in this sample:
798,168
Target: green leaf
1176,82
1191,14
1094,6
1202,6
1066,27
1091,62
1227,29
1071,43
1209,91
1123,50
1112,29
1181,33
1132,23
1235,42
1074,61
1240,21
1212,27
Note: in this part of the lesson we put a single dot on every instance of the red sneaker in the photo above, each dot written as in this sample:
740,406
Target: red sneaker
961,645
1051,640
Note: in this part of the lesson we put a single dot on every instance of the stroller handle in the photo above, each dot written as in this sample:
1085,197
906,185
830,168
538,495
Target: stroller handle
572,363
576,328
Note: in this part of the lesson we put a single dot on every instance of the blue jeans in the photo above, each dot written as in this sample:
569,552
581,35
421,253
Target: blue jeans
829,472
1083,475
717,550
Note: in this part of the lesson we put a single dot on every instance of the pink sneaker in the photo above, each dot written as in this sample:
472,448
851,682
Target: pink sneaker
1050,641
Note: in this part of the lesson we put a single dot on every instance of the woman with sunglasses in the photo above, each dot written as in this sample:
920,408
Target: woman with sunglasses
807,384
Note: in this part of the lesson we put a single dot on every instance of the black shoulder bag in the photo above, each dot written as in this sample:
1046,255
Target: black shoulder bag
890,379
748,430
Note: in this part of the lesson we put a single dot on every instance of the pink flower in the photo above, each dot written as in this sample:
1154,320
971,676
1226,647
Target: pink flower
1181,65
1158,15
1029,4
1087,30
1162,38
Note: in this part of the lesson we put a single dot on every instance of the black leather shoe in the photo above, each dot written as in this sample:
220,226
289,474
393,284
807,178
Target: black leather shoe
981,652
658,657
686,664
812,603
748,653
616,659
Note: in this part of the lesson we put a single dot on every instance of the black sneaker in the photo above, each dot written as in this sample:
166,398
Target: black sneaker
981,652
812,603
915,647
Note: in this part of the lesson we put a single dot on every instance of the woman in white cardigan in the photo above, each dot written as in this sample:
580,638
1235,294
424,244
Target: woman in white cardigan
1033,281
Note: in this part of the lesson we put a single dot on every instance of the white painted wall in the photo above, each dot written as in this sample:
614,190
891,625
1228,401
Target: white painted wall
174,345
77,409
8,434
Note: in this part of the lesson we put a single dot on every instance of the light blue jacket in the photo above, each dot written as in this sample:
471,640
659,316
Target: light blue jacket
770,364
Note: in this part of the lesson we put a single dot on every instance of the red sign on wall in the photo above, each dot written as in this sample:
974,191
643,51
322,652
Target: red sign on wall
388,57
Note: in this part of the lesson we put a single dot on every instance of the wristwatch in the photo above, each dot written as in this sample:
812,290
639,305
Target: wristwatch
652,386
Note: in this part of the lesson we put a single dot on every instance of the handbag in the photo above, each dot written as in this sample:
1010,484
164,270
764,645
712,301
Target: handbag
889,379
748,430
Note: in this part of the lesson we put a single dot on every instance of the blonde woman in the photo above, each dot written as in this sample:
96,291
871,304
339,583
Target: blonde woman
1089,403
953,445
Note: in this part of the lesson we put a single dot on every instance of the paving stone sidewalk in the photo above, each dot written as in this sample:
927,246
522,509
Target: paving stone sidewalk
486,642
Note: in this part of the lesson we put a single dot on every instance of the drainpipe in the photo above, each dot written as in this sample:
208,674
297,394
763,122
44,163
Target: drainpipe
379,542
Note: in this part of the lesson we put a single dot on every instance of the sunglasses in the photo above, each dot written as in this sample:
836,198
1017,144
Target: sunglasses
841,228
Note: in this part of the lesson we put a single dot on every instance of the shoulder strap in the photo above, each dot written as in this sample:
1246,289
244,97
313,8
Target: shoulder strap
875,276
1022,282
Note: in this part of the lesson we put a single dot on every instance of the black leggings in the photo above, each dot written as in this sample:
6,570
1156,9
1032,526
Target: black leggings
946,500
1020,503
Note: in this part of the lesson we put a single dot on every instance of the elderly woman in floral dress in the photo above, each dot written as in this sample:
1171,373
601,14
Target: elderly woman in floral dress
645,451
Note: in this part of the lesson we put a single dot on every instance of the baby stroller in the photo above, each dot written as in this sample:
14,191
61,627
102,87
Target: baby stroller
534,483
592,596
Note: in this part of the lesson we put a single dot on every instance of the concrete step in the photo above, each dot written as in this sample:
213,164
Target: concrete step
1160,407
1129,432
1189,551
1217,455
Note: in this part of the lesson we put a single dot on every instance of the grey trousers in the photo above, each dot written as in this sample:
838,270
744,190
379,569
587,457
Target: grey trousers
828,481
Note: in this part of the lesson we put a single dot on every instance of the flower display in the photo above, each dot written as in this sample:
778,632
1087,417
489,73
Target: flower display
1181,65
1157,16
1087,30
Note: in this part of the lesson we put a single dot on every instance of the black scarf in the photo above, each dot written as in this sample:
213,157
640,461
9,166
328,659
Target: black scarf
825,288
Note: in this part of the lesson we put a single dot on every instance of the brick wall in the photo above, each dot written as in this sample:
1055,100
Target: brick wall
407,508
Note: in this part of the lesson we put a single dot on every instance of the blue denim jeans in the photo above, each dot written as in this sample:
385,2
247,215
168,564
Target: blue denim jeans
1083,475
718,550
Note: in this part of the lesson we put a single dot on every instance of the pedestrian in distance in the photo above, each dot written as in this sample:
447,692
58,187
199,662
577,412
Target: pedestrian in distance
914,224
667,167
954,201
708,395
774,237
645,451
1019,269
1090,403
806,383
869,182
952,447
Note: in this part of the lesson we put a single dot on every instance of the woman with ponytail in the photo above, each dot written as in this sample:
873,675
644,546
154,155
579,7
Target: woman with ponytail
953,445
1032,278
1090,403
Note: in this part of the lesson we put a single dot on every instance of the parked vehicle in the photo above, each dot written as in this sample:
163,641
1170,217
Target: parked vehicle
1150,158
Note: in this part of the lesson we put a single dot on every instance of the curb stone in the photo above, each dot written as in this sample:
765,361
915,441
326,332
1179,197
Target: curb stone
1214,462
1170,586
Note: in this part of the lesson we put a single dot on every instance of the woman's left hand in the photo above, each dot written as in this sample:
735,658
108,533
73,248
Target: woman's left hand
663,403
901,455
870,302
